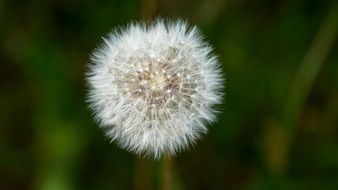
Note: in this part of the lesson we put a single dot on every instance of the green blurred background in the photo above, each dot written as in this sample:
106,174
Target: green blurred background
278,128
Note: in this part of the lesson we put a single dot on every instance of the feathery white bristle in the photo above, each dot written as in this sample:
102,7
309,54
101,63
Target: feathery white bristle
153,87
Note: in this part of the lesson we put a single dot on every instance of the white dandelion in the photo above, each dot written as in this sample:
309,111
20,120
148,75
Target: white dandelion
153,87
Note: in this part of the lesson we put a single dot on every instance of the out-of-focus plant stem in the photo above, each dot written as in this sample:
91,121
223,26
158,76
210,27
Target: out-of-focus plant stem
167,173
309,68
142,167
148,9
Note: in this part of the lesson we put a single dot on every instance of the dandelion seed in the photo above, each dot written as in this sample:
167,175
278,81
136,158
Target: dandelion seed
159,93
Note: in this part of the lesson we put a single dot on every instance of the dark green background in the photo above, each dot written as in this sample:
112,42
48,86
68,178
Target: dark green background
271,133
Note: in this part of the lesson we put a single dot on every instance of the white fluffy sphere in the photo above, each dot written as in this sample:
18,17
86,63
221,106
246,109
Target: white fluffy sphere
153,87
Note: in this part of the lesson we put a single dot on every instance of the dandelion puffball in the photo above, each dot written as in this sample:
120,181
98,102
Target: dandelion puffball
153,87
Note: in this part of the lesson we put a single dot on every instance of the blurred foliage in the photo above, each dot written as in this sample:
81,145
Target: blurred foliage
48,139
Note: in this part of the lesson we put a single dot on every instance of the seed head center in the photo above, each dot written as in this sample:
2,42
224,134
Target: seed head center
157,82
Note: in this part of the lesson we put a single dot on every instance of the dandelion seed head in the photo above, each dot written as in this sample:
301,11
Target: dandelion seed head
153,87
